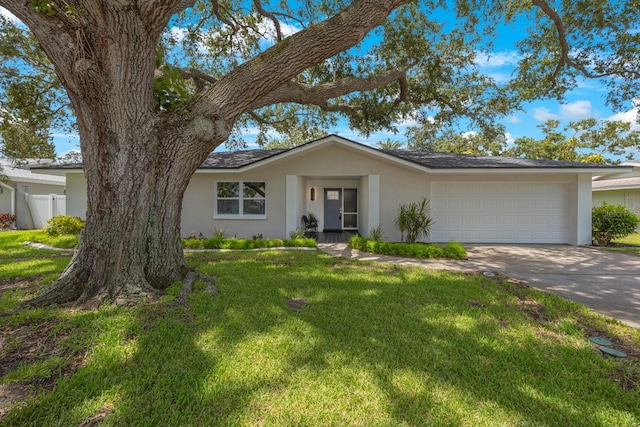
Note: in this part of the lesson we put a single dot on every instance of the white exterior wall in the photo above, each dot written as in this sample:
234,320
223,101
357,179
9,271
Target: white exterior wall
7,199
76,195
330,167
382,186
582,211
198,206
612,197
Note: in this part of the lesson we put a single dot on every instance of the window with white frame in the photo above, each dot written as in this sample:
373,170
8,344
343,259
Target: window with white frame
241,199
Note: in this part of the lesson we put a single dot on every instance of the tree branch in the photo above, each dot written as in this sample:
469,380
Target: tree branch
264,121
157,13
252,82
269,15
319,95
60,38
199,78
565,59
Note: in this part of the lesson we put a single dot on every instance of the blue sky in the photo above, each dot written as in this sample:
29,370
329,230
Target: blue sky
586,101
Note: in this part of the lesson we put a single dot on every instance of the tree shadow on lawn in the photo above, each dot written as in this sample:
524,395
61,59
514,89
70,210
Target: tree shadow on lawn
427,345
376,345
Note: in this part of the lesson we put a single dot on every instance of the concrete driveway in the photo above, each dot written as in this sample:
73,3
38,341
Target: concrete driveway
606,282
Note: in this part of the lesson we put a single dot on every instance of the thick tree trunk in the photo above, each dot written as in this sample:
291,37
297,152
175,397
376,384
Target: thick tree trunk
130,248
136,174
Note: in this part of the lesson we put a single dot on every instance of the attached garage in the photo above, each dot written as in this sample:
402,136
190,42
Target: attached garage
499,212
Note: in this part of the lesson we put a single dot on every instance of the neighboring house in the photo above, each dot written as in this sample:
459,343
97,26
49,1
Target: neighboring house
32,197
619,189
351,186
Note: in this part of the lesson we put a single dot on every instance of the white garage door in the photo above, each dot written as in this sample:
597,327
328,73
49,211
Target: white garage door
496,212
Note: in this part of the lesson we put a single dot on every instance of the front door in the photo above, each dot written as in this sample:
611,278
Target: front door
332,209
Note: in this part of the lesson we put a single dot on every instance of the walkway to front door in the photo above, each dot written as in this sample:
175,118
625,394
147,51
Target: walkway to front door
335,237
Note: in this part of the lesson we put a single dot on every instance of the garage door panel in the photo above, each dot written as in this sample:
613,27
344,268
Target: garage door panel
500,212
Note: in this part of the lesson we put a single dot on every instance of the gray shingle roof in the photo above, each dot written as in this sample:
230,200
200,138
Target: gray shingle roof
429,159
437,160
24,175
617,182
237,159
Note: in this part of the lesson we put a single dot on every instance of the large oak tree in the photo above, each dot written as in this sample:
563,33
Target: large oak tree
156,85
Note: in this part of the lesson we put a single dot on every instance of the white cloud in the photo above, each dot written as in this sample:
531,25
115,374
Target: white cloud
571,111
576,110
542,114
630,116
66,135
178,33
513,119
499,59
509,138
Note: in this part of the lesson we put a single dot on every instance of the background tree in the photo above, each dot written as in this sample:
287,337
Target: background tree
295,136
157,85
70,157
583,141
491,142
390,144
32,99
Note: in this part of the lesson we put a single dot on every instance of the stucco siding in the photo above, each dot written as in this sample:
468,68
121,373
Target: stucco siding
77,195
198,206
627,198
614,197
383,183
6,204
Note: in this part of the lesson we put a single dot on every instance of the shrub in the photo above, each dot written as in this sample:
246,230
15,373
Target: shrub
7,220
454,250
415,250
219,233
376,233
612,222
296,234
64,224
413,221
233,243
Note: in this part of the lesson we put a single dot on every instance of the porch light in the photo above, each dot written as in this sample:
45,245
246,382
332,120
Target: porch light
312,194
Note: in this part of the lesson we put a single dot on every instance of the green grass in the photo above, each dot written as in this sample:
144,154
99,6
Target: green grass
416,250
631,240
377,345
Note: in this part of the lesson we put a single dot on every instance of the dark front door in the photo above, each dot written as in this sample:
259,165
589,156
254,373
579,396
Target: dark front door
332,209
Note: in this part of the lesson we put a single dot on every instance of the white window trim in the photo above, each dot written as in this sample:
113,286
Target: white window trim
240,215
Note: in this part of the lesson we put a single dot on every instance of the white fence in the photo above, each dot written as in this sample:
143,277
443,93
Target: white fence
45,207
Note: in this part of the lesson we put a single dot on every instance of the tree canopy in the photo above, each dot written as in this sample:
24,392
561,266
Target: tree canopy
420,64
588,140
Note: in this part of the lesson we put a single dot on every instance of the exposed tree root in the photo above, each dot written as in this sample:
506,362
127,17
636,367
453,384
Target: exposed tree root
61,292
187,286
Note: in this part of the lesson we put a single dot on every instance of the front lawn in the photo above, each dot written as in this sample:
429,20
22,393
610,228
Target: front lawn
375,345
632,239
629,244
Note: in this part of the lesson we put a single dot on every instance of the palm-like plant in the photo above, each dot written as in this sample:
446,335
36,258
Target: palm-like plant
414,221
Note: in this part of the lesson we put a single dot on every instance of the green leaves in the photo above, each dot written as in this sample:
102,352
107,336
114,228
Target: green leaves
583,141
170,90
414,221
32,99
612,222
42,6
